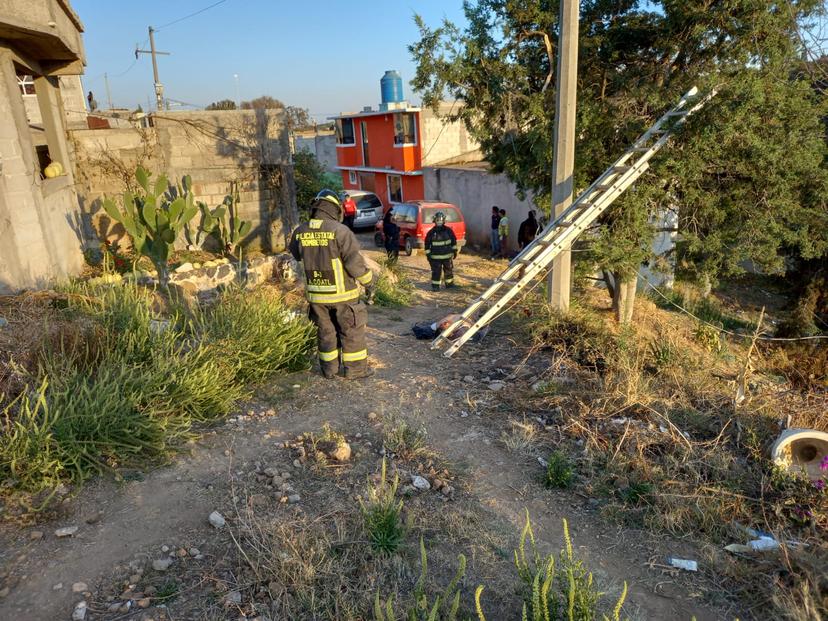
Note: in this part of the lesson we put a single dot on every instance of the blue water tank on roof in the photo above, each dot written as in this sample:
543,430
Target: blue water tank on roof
391,86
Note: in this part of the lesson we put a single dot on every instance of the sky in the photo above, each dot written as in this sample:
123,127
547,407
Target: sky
324,55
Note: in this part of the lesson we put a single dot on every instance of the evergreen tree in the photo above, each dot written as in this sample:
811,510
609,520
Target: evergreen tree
747,176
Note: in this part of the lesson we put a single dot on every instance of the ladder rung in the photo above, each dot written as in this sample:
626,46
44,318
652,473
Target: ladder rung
621,168
604,187
640,149
677,113
658,130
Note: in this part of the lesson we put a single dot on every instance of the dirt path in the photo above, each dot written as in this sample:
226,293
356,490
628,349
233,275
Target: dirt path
118,522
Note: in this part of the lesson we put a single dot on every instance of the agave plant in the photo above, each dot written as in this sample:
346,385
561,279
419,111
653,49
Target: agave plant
155,217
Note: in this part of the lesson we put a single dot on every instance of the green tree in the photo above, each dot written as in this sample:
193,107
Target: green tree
223,104
747,176
310,177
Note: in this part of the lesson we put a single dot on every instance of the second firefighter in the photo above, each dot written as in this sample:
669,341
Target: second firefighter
441,250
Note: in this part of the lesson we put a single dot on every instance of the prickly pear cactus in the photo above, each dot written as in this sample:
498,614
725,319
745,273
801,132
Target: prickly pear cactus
155,217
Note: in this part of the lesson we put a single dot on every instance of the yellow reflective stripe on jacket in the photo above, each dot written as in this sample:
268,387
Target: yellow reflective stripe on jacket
329,356
446,242
339,275
442,256
366,278
354,356
322,288
333,298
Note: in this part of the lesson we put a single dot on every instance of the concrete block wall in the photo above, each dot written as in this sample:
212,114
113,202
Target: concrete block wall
323,146
215,148
441,140
475,191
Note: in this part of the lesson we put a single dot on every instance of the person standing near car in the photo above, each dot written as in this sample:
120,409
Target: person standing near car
329,252
391,233
495,232
441,250
349,210
503,234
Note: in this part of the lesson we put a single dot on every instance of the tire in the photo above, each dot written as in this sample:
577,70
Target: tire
379,242
410,250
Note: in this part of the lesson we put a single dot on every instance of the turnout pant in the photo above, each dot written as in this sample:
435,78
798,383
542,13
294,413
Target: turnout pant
341,334
442,269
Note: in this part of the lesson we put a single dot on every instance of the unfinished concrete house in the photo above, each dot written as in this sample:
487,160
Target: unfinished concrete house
40,41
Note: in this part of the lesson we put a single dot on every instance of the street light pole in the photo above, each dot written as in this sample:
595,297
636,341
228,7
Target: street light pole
238,97
563,164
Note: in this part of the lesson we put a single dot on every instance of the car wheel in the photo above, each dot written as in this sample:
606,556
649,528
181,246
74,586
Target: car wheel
410,250
378,241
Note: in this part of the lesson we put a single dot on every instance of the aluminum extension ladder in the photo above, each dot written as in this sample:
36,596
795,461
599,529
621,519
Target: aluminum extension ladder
565,229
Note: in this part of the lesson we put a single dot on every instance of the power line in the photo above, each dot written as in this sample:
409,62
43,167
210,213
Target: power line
181,19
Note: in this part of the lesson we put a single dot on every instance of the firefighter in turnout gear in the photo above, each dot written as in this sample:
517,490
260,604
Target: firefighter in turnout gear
333,267
441,250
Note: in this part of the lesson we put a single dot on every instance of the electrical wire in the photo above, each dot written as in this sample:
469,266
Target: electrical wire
181,19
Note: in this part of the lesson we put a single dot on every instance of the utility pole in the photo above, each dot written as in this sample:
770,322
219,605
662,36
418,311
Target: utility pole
108,94
238,96
563,164
159,88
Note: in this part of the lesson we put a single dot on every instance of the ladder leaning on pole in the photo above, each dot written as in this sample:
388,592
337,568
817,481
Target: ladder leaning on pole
559,235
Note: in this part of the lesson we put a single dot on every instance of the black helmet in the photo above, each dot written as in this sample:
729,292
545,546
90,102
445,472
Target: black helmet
327,201
439,218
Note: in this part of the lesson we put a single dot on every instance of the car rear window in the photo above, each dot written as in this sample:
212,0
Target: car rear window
369,201
452,215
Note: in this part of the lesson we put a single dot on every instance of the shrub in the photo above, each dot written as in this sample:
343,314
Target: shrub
559,471
404,440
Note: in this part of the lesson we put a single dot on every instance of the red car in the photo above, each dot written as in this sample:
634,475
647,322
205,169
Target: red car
415,221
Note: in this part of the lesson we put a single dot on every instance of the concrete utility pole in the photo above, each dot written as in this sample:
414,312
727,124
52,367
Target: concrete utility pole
563,164
108,94
159,88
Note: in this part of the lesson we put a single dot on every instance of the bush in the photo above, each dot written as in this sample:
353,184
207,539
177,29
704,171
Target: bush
559,471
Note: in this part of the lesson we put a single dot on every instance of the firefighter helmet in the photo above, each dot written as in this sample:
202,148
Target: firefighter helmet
328,202
439,218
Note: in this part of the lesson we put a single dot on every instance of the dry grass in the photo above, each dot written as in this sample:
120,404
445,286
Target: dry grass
663,441
522,435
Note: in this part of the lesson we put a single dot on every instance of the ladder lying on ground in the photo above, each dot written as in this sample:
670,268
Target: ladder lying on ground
559,235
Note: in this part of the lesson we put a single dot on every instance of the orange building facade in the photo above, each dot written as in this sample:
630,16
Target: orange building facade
381,152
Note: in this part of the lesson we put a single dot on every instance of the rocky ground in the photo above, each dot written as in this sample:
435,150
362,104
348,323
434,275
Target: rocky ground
176,542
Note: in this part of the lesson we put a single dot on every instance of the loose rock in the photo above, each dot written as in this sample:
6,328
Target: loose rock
66,531
217,519
35,535
420,483
144,602
162,564
233,597
4,592
342,452
57,587
294,498
496,386
80,587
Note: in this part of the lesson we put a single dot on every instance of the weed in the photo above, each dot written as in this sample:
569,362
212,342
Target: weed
521,436
403,439
168,590
636,493
663,353
708,337
561,589
114,390
382,514
559,471
444,607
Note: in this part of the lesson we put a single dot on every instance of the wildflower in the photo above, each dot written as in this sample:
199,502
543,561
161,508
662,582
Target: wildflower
824,464
819,484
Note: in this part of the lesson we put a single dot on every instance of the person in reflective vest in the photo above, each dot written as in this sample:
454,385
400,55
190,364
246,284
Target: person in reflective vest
441,250
334,269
